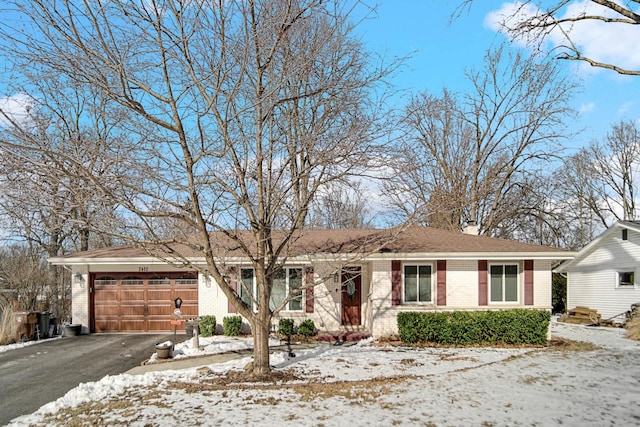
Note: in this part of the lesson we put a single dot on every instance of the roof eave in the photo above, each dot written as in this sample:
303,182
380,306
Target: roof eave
593,245
556,256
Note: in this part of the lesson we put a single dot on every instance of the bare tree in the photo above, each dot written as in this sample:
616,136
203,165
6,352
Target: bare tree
601,179
575,199
238,110
340,206
25,271
47,201
474,159
537,21
46,198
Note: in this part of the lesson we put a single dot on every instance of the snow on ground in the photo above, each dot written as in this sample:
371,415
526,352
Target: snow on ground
17,345
373,385
212,345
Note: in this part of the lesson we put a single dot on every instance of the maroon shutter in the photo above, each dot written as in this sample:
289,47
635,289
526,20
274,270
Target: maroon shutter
396,283
309,300
441,282
233,283
483,295
528,282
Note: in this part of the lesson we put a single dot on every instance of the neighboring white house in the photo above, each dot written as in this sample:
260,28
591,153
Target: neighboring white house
604,274
123,288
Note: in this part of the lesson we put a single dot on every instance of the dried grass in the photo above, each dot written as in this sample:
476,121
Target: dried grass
8,329
633,328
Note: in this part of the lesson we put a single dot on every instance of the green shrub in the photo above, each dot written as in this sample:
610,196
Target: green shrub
516,326
285,327
208,326
232,325
307,328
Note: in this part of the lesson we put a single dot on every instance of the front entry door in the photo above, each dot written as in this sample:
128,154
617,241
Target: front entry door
351,295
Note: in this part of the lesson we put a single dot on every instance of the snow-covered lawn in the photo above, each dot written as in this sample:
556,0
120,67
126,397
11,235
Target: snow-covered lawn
368,384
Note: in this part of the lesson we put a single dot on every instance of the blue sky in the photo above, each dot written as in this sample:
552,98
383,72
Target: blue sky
443,49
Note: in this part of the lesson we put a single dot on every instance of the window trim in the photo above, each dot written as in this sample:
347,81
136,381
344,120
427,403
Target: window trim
621,271
254,287
519,283
431,278
287,290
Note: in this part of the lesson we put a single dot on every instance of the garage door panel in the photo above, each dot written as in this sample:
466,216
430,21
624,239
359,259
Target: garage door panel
141,302
107,293
160,325
132,325
160,309
107,325
187,294
132,310
160,295
132,295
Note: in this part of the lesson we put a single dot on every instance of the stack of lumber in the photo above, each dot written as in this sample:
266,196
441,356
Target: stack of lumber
583,316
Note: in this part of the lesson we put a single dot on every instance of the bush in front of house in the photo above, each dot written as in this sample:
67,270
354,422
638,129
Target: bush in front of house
285,327
514,327
307,328
208,326
232,325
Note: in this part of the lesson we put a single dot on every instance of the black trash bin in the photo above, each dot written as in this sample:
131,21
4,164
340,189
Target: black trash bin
43,324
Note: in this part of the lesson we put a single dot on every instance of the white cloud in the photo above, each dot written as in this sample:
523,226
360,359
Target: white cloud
587,108
508,16
15,108
604,42
625,108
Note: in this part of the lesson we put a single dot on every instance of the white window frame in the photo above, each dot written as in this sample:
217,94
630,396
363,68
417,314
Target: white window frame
627,285
287,291
431,279
518,283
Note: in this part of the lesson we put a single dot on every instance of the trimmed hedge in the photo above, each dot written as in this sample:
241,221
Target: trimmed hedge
307,328
516,326
208,326
285,327
232,325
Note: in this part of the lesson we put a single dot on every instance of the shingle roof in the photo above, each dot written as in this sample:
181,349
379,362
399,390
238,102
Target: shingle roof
412,240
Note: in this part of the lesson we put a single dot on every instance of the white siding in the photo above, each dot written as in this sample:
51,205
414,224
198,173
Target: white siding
384,314
462,292
593,281
462,284
542,284
211,300
80,297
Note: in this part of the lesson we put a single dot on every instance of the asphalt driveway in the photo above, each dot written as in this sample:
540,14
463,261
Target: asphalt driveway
38,374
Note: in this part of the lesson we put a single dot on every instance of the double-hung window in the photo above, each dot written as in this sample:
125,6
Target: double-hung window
417,283
504,283
247,286
287,281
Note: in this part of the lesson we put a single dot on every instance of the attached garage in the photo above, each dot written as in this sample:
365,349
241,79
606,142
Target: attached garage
140,302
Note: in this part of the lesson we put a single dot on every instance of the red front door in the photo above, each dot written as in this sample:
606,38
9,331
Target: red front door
351,295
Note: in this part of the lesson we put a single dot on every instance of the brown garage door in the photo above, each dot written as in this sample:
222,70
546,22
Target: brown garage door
141,302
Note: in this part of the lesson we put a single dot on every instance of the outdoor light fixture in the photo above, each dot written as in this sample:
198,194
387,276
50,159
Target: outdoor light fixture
335,277
178,302
79,279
